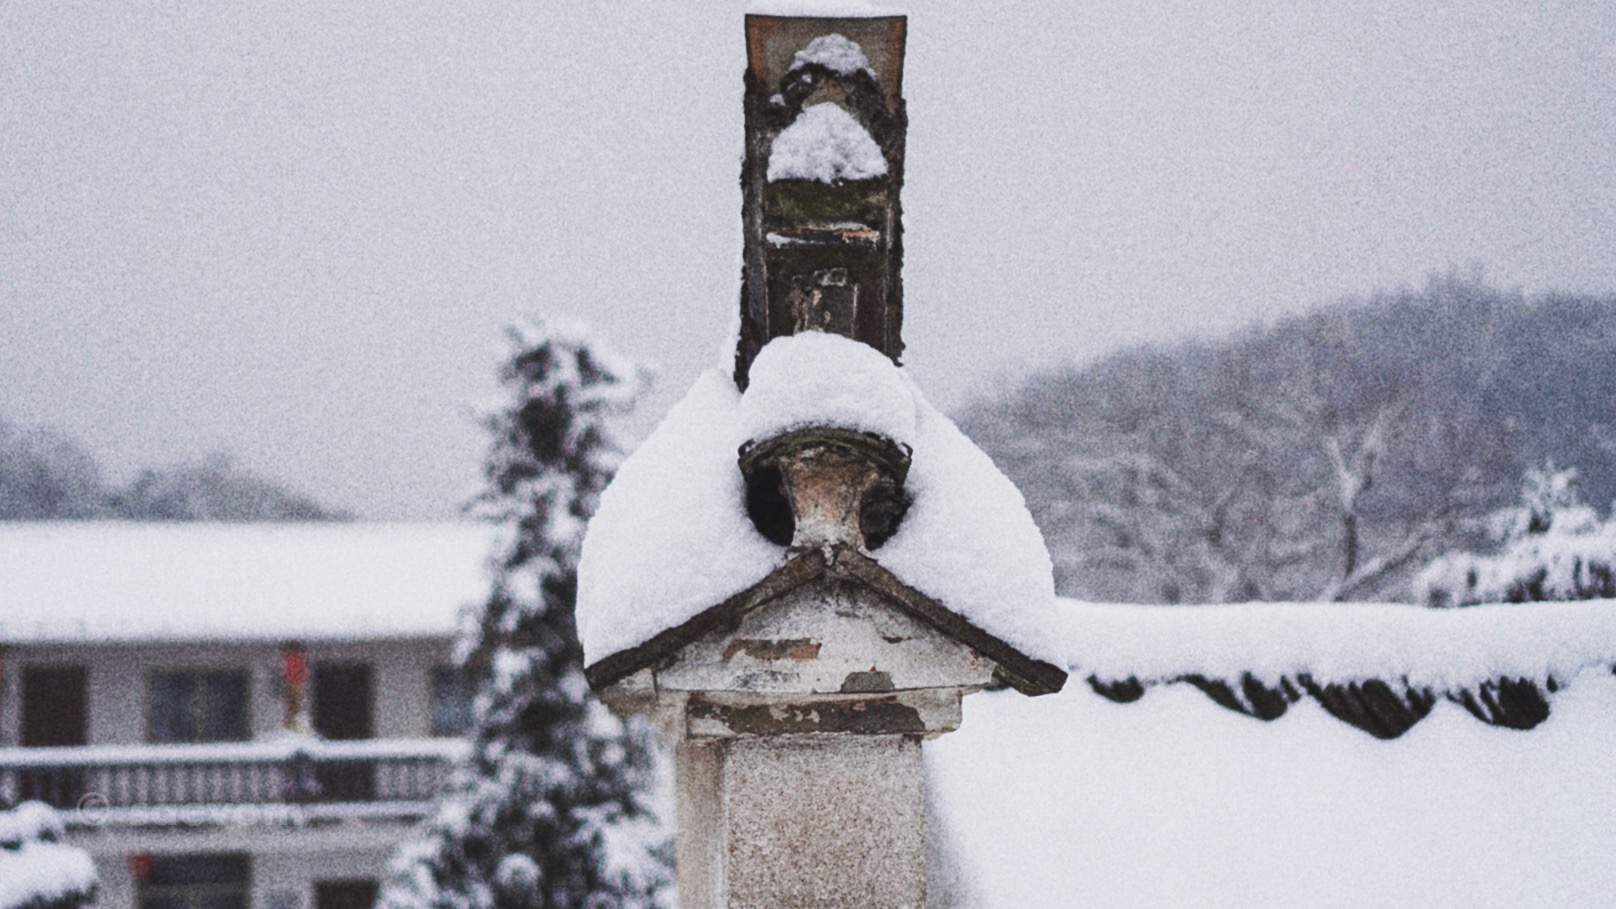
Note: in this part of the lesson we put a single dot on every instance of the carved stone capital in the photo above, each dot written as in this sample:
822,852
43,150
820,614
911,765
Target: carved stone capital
837,487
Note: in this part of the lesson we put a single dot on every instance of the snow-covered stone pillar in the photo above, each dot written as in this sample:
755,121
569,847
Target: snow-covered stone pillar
798,705
806,567
795,671
825,127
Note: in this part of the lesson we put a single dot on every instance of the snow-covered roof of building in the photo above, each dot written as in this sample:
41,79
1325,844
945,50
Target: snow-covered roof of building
116,581
672,538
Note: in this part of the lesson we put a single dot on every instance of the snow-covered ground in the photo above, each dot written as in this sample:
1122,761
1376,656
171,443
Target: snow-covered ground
1071,800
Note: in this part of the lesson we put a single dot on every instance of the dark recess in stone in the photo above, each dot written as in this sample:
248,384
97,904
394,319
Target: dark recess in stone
866,682
865,716
881,514
768,507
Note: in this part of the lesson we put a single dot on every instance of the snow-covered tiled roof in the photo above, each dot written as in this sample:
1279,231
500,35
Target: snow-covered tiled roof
1165,800
1379,666
1428,647
1073,800
116,581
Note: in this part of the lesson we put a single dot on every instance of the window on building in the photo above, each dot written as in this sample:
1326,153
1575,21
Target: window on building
54,714
222,881
53,705
199,706
349,894
344,705
452,694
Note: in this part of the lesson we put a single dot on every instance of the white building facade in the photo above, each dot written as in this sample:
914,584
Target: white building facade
234,717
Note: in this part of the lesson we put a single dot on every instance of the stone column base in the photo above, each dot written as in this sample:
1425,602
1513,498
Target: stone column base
802,822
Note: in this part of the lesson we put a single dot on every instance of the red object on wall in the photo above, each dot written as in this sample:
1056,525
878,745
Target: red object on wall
294,665
140,866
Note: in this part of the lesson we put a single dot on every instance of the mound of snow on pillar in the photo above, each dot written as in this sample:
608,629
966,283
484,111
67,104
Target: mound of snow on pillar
817,379
837,53
672,537
969,542
825,143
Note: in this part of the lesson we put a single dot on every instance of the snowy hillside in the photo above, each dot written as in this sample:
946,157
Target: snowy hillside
1236,469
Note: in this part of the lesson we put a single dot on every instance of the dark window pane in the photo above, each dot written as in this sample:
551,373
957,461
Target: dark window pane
192,706
222,711
197,882
224,868
451,701
53,706
173,707
220,899
342,701
354,894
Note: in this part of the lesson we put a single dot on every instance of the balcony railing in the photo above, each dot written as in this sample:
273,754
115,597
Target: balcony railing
148,783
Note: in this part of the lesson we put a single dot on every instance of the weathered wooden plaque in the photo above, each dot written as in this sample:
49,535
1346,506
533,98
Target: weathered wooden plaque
821,186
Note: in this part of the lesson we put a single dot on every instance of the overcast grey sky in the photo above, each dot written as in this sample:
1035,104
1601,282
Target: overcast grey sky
294,229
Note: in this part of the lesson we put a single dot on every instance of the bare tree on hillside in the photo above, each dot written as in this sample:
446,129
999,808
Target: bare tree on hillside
1263,472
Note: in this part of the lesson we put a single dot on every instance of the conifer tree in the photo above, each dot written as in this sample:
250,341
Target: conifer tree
548,812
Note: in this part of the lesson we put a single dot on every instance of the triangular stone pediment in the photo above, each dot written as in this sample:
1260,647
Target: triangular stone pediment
828,636
831,596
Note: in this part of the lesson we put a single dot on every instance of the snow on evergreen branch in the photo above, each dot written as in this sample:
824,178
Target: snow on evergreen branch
1553,548
550,811
37,869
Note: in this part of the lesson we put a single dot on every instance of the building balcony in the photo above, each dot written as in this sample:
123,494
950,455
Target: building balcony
289,781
